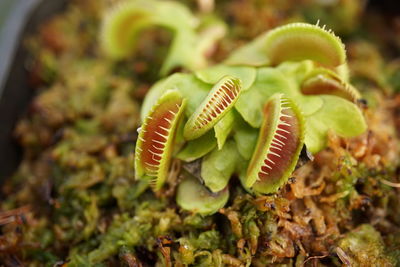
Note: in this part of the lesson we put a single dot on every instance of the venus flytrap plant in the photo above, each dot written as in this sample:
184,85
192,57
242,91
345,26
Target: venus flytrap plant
287,78
214,107
156,136
125,21
252,115
278,147
323,81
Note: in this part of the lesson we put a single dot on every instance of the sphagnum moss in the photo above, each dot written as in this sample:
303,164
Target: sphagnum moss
87,209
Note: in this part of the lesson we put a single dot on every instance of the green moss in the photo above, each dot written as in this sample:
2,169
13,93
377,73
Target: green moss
364,246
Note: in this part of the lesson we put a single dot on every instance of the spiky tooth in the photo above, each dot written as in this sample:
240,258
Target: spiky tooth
218,102
155,141
278,147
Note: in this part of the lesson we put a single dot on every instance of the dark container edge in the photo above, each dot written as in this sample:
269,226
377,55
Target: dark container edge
16,92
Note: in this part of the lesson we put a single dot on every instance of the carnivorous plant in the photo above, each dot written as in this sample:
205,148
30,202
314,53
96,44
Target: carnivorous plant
249,116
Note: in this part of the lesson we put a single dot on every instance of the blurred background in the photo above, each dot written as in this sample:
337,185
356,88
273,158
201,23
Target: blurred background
13,16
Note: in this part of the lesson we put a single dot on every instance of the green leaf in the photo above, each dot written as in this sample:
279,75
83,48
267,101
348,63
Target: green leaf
268,81
224,127
284,79
172,14
213,74
182,54
241,169
191,88
316,134
297,70
344,118
218,166
193,196
246,138
337,114
309,104
250,54
295,73
197,148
